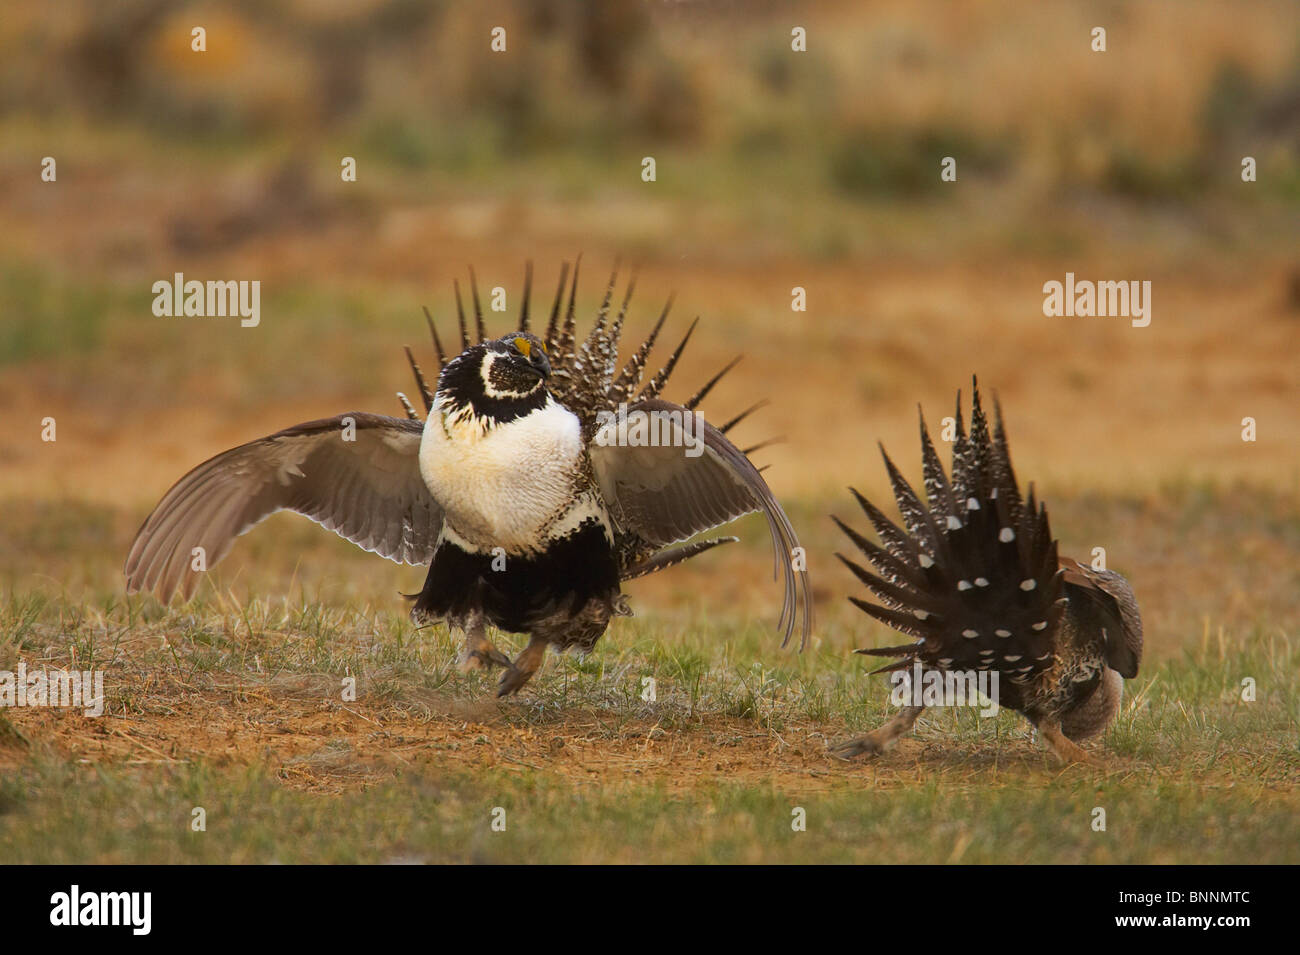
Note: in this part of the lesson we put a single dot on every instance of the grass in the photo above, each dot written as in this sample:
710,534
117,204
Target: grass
248,725
998,816
775,170
236,704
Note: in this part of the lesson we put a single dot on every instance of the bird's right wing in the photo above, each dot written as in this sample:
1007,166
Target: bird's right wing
664,495
356,474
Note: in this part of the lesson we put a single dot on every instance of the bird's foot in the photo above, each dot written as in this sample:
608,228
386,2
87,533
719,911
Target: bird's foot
1064,748
484,659
522,670
869,745
481,654
879,739
512,681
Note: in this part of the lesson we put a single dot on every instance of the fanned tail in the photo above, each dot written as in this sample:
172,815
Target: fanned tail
585,377
585,374
973,573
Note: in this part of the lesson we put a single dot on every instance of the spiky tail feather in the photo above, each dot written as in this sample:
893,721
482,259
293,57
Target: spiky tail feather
585,376
585,373
974,577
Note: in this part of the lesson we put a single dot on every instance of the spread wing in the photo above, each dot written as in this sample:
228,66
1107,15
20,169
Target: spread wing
666,492
356,474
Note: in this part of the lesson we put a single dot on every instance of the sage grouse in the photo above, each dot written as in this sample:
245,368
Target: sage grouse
532,490
975,578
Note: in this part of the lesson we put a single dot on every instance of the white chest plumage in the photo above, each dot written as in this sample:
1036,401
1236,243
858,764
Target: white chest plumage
508,486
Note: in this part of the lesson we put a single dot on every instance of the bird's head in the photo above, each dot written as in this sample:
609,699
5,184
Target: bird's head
498,379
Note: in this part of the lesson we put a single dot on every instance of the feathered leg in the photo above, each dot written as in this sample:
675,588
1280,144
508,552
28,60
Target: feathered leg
525,665
1065,749
881,738
480,653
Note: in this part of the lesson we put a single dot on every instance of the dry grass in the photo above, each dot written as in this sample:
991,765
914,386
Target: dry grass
236,704
250,725
774,172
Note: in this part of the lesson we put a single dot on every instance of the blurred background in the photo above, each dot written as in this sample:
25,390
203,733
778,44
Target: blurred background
775,169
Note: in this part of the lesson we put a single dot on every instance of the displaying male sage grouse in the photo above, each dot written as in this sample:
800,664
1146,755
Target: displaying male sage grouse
975,578
541,479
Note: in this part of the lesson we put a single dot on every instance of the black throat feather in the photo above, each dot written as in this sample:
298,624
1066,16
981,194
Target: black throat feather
486,385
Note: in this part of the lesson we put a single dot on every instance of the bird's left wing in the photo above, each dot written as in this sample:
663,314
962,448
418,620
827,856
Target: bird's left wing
1113,598
666,475
356,474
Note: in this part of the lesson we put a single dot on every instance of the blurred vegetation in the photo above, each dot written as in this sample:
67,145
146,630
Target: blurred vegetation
61,318
776,168
884,91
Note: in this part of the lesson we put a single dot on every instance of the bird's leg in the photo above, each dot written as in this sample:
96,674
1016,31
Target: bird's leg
881,738
525,665
1065,749
479,650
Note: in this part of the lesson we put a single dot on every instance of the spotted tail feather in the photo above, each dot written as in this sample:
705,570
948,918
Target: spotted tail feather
973,573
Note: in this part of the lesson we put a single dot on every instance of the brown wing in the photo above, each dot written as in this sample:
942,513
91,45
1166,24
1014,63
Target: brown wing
368,490
1112,596
663,495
